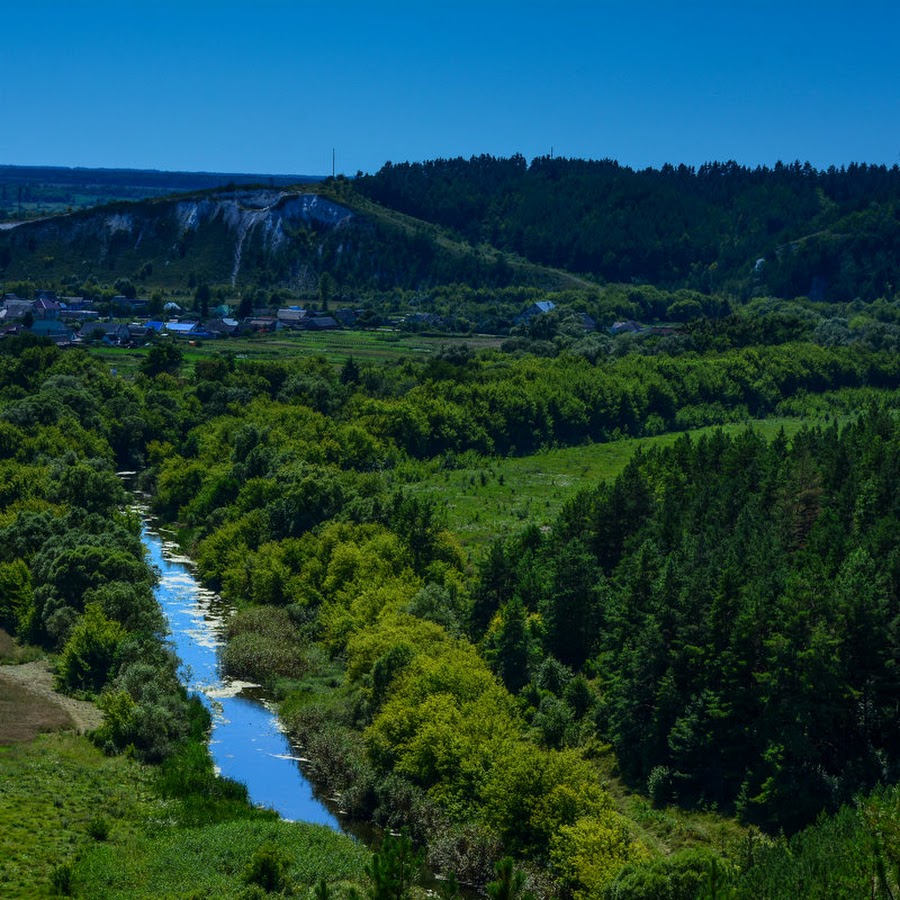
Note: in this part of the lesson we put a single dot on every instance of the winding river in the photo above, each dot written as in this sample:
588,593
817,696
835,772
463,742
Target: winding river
246,743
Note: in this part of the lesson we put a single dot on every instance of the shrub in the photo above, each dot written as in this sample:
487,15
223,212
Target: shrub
268,869
16,597
61,880
660,786
98,828
264,644
88,654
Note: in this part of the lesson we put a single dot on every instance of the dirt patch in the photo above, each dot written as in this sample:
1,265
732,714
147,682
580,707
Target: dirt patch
29,705
25,714
7,645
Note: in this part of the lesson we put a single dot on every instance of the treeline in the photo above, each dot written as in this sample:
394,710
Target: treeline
79,187
512,404
826,234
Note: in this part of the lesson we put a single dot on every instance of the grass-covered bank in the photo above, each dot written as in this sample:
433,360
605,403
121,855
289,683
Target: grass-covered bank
56,794
75,822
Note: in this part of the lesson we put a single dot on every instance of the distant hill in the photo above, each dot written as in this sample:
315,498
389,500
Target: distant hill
788,231
265,236
30,191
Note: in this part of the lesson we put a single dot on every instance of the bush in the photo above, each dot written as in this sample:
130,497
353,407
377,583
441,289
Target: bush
90,651
16,597
268,869
660,786
98,828
61,880
147,711
677,878
261,658
263,645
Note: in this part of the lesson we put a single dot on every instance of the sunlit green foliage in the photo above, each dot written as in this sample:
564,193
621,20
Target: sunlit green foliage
89,652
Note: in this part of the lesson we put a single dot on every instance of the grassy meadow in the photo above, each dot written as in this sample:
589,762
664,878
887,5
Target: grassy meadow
59,795
487,498
75,822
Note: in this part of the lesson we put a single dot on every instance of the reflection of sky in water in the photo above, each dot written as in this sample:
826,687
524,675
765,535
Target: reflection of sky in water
246,742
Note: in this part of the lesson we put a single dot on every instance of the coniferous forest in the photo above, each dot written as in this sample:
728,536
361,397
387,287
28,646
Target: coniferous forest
677,679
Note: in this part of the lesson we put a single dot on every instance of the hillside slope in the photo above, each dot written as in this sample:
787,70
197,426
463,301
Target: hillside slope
279,237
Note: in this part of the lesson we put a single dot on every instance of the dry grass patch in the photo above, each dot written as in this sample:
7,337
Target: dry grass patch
24,714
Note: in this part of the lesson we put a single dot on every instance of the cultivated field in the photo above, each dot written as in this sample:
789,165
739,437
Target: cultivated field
381,345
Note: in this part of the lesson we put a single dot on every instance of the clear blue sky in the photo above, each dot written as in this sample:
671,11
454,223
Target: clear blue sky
270,87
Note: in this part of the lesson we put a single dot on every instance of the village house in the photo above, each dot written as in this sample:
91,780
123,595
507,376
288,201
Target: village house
107,332
625,327
263,323
538,308
46,309
61,335
223,327
321,323
16,308
292,317
346,316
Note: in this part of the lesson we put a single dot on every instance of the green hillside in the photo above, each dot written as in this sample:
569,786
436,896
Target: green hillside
257,236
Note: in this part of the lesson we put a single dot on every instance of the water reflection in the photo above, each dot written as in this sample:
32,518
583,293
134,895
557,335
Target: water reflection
246,743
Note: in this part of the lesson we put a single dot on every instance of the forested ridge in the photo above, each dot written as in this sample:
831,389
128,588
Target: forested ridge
789,230
721,229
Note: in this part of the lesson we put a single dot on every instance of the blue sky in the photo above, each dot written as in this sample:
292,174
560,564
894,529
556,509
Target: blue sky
270,87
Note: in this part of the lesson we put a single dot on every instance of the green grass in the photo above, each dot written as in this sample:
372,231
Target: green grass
66,806
383,345
51,791
211,861
494,497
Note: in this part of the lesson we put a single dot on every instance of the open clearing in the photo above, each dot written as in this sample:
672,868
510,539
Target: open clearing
376,346
494,497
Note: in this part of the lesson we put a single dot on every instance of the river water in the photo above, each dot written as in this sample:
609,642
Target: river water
246,743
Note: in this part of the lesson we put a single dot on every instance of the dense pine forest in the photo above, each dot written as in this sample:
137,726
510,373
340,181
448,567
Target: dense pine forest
677,679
